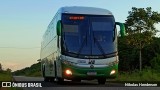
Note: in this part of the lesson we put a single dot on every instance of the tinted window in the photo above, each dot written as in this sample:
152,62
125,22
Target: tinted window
70,28
91,36
102,26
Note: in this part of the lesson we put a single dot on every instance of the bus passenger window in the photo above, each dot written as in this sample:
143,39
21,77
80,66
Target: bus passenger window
58,41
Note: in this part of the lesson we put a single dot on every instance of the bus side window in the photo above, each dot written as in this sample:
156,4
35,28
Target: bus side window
58,41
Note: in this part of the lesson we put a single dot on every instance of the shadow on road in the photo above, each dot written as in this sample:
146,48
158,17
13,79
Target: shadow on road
79,84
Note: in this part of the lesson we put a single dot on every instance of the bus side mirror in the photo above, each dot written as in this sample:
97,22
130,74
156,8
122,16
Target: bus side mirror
59,27
122,29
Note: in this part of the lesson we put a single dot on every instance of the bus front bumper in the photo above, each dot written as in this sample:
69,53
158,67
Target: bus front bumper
72,72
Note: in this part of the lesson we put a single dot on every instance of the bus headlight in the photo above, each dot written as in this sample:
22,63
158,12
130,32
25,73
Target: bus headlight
112,72
68,72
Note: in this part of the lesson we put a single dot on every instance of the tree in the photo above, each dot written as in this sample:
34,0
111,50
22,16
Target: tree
128,55
0,67
140,28
8,70
155,62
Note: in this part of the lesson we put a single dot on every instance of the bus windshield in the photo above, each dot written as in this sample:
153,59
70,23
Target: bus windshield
88,35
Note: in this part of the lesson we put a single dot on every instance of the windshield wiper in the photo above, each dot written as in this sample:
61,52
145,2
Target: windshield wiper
64,43
99,46
82,45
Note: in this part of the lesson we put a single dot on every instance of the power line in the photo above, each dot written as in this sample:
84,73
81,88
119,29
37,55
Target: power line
20,47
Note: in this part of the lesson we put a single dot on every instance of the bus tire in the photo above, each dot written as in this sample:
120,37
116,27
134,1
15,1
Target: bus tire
60,80
43,72
76,80
102,81
52,79
46,79
55,69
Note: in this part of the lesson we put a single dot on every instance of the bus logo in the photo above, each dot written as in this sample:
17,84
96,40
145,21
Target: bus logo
91,61
91,66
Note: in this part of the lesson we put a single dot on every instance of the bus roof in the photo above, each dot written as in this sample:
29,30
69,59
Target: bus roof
85,10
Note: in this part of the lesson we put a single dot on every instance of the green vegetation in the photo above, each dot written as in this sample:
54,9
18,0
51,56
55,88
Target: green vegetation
155,63
34,71
140,28
5,76
129,62
139,51
147,74
129,56
0,67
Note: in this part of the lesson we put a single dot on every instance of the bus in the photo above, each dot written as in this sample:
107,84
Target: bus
80,43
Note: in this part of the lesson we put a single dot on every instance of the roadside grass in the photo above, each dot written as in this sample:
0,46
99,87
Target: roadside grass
6,76
35,74
145,75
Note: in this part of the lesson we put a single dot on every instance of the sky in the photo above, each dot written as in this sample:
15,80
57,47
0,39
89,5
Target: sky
23,22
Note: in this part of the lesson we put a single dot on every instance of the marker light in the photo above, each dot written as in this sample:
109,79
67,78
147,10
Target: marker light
112,72
68,72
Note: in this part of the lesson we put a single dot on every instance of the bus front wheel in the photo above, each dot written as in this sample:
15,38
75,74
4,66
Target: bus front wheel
76,80
102,81
60,80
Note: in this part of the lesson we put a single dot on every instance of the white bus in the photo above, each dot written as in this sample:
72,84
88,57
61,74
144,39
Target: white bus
80,43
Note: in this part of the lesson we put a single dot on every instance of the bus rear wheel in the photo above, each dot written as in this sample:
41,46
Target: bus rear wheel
46,79
102,81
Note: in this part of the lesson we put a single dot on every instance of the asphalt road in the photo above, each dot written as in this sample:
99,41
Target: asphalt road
83,85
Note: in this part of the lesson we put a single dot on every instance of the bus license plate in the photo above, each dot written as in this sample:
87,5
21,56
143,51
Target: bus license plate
91,73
